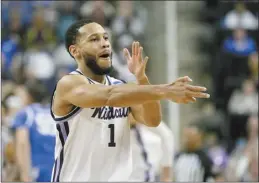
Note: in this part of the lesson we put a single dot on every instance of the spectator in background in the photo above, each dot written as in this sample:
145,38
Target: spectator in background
128,21
240,17
34,136
101,12
20,7
67,15
239,43
15,25
244,101
50,13
13,41
192,164
39,35
39,65
10,47
241,105
243,163
127,26
253,66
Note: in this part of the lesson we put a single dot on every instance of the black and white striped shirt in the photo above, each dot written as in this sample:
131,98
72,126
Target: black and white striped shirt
193,167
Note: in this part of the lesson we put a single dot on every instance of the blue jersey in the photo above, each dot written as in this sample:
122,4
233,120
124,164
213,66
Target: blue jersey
41,127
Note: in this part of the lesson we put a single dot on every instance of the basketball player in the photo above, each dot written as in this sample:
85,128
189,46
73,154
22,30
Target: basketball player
91,108
34,136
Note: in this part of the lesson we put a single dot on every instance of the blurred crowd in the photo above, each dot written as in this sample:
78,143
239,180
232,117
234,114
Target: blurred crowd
33,41
33,51
231,121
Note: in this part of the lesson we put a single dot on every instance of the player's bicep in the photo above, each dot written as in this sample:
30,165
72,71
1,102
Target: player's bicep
77,91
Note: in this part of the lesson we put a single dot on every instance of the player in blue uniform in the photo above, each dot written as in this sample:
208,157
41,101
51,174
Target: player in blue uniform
35,137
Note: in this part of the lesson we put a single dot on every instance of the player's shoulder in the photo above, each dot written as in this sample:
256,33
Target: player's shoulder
71,80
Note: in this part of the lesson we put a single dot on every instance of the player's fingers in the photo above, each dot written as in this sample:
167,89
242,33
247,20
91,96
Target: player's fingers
197,94
196,88
191,99
133,49
137,48
126,54
140,54
145,63
184,79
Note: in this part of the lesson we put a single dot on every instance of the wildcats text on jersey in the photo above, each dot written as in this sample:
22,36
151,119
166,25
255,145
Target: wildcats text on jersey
108,113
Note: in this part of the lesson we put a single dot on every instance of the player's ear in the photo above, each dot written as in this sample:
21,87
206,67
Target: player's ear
73,51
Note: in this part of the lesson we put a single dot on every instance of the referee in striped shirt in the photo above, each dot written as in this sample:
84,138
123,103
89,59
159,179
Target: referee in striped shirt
192,164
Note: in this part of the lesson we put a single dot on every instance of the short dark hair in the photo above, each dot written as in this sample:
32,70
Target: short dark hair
72,32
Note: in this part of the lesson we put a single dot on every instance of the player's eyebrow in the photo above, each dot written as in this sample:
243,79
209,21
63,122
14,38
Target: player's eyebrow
96,34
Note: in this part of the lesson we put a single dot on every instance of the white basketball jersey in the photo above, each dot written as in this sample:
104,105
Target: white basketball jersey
141,142
93,144
152,149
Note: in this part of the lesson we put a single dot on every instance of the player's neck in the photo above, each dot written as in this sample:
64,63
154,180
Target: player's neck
87,72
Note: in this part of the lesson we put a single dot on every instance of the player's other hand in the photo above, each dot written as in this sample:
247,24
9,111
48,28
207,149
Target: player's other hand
136,63
182,92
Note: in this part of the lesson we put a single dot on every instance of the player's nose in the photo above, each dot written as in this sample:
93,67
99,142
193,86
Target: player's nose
105,43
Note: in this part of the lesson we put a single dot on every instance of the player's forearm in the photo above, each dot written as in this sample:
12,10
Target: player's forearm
130,95
151,110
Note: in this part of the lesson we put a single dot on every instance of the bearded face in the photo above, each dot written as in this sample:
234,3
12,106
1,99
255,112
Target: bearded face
93,48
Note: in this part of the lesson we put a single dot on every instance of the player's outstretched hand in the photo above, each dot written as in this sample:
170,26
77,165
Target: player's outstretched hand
183,92
136,63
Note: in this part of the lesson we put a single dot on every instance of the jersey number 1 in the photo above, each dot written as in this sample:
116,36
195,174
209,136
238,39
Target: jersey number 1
111,143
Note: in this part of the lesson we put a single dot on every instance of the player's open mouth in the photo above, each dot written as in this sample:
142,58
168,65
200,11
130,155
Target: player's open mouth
105,56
